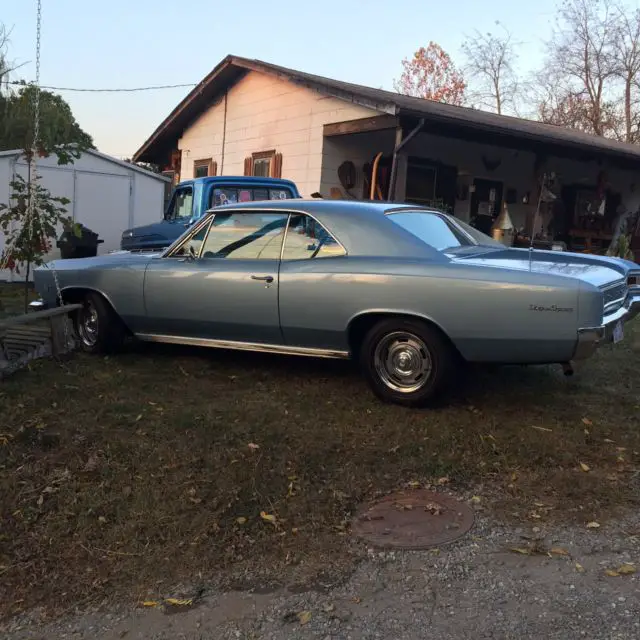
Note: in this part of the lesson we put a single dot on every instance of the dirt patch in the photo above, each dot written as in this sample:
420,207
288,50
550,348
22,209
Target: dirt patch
124,476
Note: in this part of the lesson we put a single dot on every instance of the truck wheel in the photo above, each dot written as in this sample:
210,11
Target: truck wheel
406,362
99,328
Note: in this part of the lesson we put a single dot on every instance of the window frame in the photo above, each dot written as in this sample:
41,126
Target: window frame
263,155
207,220
203,162
326,230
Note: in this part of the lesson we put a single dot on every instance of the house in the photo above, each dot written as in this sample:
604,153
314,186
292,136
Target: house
250,117
105,194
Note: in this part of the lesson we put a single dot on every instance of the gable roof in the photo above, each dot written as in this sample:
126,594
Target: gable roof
232,68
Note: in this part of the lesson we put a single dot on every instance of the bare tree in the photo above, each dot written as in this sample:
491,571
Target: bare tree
626,47
490,63
581,66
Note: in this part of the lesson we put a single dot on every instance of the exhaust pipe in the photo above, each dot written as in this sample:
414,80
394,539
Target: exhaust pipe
567,368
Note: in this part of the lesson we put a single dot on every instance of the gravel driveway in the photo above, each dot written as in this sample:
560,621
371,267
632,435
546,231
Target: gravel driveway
476,588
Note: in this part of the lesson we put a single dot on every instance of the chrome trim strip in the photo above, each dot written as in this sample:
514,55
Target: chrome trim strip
244,346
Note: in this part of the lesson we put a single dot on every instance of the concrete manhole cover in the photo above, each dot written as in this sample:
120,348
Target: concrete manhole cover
413,519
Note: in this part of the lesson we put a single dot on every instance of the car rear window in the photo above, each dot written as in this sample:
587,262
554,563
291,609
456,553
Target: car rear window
230,195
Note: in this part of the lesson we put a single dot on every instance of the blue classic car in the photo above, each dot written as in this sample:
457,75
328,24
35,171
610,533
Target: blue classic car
407,291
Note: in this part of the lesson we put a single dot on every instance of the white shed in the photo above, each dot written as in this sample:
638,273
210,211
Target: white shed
106,195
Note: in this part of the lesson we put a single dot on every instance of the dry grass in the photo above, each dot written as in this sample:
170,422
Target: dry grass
122,477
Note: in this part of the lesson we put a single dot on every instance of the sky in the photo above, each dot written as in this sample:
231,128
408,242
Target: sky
136,43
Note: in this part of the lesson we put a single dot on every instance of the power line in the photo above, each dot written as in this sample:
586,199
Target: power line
165,86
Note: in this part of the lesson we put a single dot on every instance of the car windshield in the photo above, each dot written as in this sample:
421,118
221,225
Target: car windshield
437,232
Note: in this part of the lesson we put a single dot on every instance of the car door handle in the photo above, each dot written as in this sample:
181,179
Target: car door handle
263,278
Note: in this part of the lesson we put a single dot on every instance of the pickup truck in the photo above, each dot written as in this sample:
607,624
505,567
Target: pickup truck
192,198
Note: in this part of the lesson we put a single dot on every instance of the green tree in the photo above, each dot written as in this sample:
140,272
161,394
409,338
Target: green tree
59,131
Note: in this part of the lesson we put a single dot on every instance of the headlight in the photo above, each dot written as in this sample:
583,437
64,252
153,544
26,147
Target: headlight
128,233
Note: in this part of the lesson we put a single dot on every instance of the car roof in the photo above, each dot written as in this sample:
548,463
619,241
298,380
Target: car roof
361,226
242,180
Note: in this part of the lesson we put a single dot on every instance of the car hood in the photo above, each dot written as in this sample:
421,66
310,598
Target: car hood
165,229
596,270
111,260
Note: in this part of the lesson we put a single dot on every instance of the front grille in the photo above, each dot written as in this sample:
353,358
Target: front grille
614,296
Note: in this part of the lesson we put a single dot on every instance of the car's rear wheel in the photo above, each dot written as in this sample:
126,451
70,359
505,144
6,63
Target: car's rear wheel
98,327
406,361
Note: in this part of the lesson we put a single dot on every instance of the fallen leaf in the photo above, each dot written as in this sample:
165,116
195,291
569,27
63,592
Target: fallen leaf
329,607
607,440
304,617
612,573
626,569
241,520
559,551
267,517
414,484
294,530
102,519
138,418
593,525
476,500
523,550
585,467
149,603
253,446
40,500
587,422
579,568
514,476
179,603
443,480
542,429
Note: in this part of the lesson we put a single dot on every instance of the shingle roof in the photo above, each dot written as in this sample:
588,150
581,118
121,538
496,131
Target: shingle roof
232,68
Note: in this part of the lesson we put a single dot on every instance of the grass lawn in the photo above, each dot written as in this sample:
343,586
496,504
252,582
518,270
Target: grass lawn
124,476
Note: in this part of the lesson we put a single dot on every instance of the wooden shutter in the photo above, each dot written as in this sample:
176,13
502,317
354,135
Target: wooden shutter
213,169
276,166
248,166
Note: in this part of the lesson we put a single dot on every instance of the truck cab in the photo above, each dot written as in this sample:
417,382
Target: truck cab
191,199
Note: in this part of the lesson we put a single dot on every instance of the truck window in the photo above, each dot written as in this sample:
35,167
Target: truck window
229,195
181,204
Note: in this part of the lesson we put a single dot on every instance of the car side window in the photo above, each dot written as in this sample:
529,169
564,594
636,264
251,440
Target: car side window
193,245
307,238
245,236
181,204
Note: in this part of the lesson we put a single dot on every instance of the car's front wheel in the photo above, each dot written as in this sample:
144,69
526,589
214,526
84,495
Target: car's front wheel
98,327
406,361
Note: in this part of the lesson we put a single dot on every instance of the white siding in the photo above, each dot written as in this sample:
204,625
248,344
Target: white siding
105,195
265,113
148,201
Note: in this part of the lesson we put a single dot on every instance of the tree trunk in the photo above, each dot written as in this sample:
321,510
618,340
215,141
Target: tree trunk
26,287
627,108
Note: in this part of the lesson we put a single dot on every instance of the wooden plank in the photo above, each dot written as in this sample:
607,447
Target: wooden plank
34,316
361,125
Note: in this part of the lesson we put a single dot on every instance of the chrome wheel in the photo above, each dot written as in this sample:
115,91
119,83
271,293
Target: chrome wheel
403,361
88,324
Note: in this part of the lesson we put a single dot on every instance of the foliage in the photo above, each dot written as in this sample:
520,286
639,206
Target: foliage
59,133
590,79
431,74
490,61
28,238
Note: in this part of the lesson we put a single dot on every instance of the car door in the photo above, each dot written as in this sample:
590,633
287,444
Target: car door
221,283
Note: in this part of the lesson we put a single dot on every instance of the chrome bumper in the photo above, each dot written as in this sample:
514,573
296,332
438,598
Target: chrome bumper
590,338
